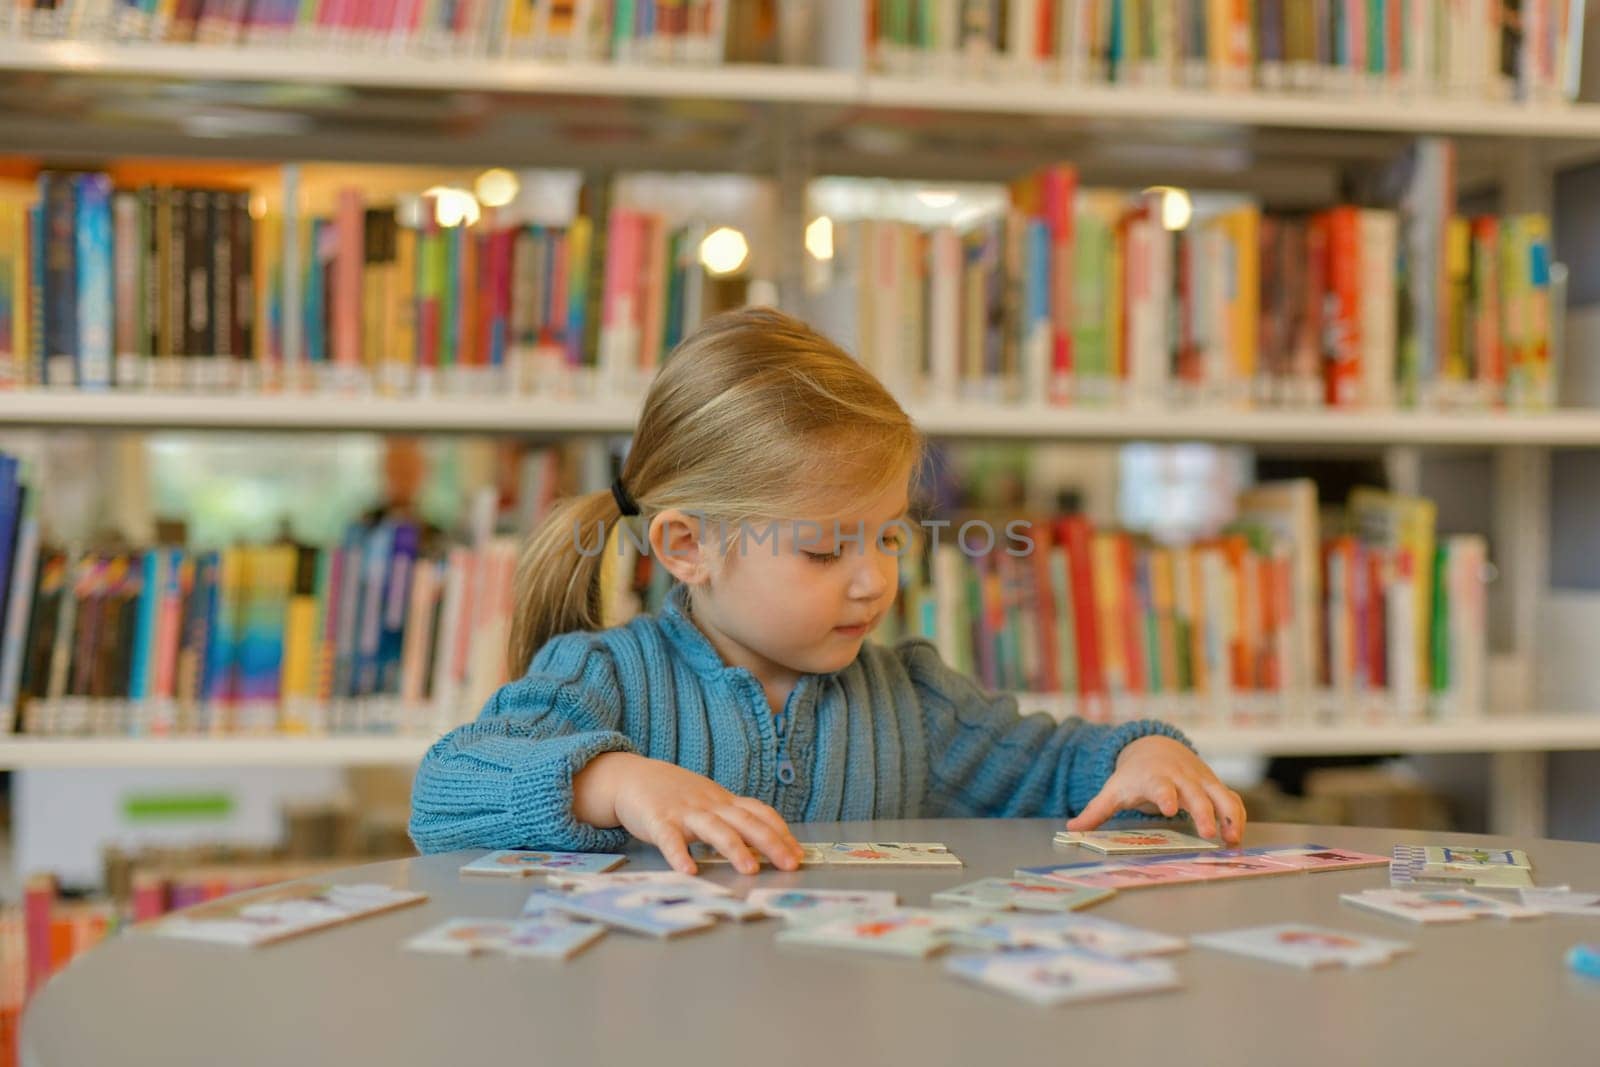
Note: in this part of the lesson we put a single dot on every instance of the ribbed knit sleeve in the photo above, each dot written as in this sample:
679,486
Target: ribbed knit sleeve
986,759
505,780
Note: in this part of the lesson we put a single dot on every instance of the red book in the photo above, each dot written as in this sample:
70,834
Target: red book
1342,333
38,899
1073,532
149,896
1377,615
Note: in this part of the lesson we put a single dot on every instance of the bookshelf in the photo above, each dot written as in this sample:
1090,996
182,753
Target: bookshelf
540,415
798,122
1535,732
814,92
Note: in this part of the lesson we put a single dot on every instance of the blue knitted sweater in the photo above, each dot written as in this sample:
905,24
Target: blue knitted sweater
895,735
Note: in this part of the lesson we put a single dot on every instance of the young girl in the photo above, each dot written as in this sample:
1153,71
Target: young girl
773,473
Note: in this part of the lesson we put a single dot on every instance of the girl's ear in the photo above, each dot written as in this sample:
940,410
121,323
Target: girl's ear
679,541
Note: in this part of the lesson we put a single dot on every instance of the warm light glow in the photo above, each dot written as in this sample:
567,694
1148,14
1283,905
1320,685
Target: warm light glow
819,238
258,207
496,188
453,207
1176,208
724,250
936,198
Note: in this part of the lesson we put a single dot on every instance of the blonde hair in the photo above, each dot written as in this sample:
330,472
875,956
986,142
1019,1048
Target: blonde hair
755,415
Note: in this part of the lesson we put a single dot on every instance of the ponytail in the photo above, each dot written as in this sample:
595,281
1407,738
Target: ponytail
557,584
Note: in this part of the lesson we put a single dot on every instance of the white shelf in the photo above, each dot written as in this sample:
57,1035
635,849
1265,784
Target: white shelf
819,86
1547,732
1572,428
756,83
18,753
547,414
1372,112
317,411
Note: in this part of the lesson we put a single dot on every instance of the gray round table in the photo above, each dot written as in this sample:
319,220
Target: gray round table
1474,993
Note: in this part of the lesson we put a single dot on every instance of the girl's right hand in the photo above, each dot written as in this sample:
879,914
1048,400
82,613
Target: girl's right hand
669,807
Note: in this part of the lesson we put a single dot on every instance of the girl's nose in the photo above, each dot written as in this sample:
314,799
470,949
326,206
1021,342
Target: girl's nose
869,581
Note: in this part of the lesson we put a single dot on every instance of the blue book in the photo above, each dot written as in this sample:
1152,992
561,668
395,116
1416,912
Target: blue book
94,281
344,646
150,591
10,518
396,602
374,568
222,652
316,314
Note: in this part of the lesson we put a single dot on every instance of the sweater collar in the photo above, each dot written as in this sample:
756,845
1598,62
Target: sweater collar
685,636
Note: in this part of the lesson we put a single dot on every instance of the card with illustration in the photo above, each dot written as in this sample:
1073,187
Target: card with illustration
1129,875
1563,902
283,911
670,879
1300,945
813,854
1477,857
1437,905
1029,894
1229,865
1318,857
896,932
1083,932
1133,842
803,904
1062,976
890,854
550,937
514,863
659,909
1409,867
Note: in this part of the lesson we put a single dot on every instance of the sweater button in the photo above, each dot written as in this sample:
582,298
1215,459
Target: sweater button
786,772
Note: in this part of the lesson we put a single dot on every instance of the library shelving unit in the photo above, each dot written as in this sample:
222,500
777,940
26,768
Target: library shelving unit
792,123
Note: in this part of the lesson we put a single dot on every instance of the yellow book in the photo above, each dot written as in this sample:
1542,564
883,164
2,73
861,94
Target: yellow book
268,243
1458,267
401,353
1108,610
1163,594
1117,363
1404,522
1243,228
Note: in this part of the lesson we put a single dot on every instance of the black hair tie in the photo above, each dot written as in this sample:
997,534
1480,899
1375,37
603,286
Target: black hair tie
625,502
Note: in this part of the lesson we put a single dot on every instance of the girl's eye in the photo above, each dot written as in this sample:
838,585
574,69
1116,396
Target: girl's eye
824,557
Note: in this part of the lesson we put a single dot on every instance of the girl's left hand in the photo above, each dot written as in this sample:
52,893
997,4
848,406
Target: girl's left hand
1158,774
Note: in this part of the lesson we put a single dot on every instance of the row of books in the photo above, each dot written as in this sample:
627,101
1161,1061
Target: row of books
1490,49
170,288
654,31
371,635
1269,622
1086,296
1250,627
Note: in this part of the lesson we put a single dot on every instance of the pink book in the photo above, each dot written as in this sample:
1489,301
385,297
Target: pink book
348,264
466,621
